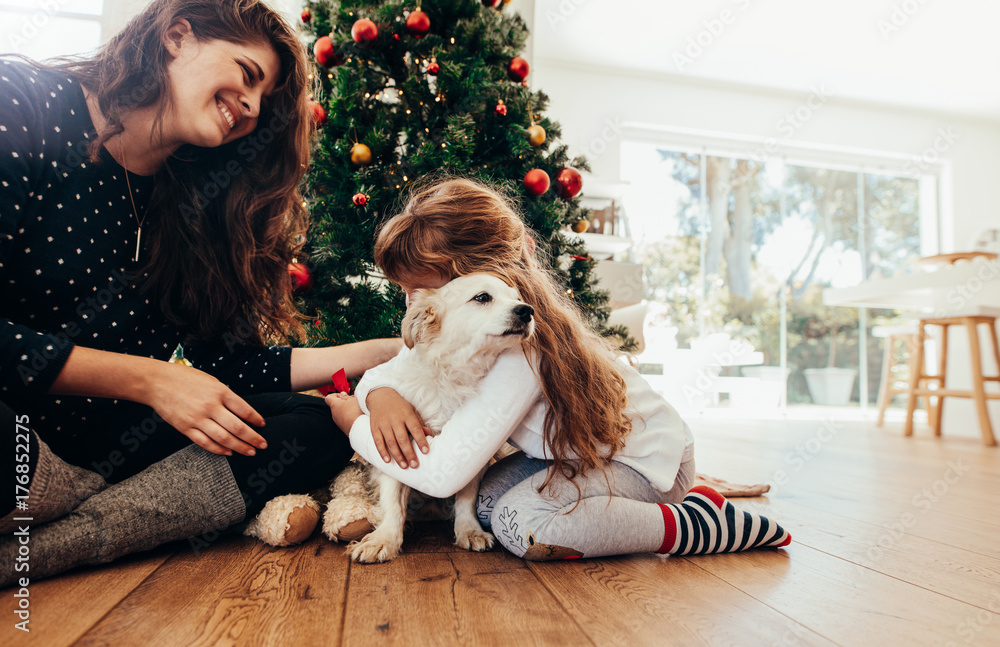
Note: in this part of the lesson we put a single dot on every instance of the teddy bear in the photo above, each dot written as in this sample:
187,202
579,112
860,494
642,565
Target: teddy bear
350,513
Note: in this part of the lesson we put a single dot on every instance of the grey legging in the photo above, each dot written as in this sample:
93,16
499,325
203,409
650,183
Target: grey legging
618,520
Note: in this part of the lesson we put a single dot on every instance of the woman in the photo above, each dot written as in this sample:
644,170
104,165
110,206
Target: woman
150,203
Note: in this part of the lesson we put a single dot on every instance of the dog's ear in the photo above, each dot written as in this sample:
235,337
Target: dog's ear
421,321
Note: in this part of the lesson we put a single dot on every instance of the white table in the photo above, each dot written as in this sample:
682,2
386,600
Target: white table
947,290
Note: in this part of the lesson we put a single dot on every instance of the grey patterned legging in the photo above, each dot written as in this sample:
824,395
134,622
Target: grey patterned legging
619,520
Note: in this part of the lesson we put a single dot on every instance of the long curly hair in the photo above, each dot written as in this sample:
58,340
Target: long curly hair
224,222
458,226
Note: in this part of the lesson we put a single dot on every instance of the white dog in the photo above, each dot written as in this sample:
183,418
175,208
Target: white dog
455,334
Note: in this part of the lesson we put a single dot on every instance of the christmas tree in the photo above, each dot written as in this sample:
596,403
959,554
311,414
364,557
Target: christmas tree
406,89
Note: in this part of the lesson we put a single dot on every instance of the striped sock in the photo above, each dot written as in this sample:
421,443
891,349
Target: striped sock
705,522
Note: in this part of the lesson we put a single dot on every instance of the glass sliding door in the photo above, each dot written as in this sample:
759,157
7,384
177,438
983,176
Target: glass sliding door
736,254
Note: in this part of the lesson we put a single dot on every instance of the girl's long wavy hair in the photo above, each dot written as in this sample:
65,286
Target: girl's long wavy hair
221,236
455,227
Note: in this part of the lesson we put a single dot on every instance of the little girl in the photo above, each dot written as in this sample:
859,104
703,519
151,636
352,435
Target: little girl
605,465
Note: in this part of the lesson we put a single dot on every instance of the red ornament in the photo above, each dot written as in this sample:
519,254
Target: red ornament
536,182
319,114
493,4
301,277
324,52
306,16
360,199
433,68
364,31
518,69
417,23
501,109
569,182
395,36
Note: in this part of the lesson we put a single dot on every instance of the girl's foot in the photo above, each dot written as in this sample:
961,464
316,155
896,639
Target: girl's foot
705,522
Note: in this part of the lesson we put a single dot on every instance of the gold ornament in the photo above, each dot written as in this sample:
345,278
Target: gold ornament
581,226
536,135
361,155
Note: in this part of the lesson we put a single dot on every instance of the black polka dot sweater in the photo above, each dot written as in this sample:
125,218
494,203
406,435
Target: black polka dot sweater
67,241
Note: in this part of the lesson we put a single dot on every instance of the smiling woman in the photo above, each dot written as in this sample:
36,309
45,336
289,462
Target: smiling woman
150,206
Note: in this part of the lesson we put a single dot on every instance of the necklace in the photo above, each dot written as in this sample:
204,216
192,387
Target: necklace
135,212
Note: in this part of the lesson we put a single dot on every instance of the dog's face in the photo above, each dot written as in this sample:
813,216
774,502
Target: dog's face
477,311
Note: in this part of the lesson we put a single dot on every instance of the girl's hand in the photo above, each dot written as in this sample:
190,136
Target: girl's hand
205,410
394,421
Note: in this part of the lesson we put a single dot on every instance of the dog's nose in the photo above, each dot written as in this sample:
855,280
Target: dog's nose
524,312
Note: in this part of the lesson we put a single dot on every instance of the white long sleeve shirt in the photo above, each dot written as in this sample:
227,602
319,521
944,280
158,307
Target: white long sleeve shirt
509,406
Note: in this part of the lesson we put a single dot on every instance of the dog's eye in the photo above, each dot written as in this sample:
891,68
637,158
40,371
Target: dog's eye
483,297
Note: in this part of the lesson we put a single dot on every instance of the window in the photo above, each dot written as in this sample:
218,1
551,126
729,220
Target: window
42,29
740,246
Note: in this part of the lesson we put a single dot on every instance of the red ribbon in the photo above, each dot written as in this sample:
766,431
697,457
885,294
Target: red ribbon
339,384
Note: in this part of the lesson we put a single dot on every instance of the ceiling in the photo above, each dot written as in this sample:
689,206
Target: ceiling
930,55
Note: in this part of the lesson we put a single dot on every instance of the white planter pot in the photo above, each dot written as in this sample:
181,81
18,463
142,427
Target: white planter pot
767,394
830,386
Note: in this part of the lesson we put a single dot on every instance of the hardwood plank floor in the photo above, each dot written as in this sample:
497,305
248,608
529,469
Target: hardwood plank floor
896,541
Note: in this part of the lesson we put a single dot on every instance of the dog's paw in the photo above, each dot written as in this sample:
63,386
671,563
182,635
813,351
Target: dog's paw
474,539
374,549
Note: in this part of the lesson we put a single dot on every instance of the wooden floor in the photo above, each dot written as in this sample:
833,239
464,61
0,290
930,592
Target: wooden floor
895,542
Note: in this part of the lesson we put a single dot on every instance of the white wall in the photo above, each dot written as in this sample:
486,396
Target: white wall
586,101
592,103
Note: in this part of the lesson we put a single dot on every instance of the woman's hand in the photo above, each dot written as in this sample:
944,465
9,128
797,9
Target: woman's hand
345,410
205,410
394,421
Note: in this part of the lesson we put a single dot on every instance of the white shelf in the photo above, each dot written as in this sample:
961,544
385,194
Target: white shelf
599,244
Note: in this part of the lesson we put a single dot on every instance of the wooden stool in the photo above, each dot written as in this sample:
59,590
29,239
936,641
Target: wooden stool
978,392
887,387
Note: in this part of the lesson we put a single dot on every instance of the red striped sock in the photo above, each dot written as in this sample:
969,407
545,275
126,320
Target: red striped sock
705,522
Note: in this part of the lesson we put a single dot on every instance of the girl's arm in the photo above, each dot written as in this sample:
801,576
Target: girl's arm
467,441
312,367
394,421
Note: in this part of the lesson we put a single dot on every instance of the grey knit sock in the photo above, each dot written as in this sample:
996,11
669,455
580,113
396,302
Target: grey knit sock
188,493
56,488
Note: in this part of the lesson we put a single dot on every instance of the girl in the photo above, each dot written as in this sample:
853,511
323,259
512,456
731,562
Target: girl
149,204
606,463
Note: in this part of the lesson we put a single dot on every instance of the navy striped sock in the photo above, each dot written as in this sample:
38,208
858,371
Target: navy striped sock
705,522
